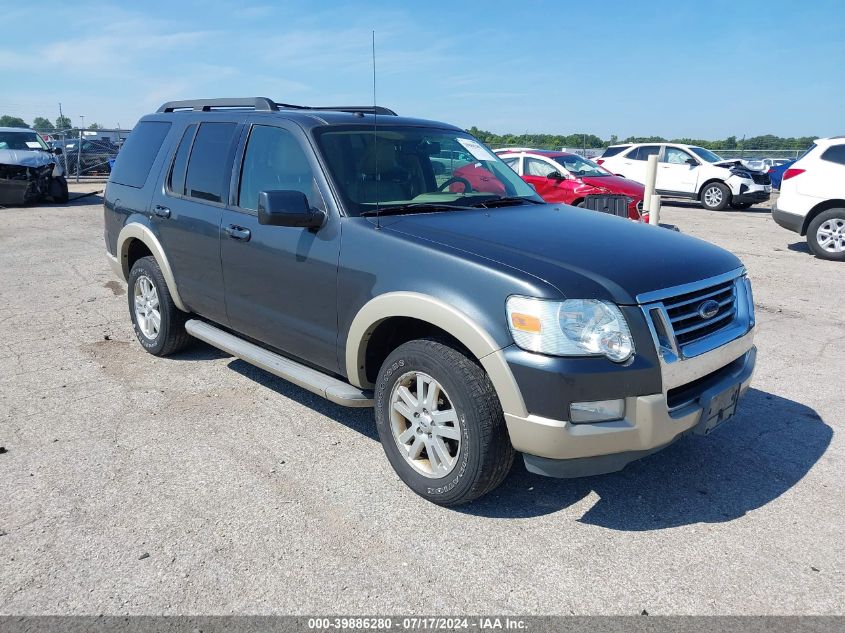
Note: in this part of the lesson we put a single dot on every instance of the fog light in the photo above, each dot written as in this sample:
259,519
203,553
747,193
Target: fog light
597,411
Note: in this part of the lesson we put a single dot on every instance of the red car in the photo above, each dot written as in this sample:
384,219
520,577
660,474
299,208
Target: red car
567,178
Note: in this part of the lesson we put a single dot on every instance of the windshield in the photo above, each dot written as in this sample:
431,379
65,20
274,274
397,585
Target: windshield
580,167
706,154
404,165
21,140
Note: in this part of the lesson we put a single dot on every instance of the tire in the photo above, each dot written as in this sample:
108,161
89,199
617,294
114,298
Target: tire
715,196
170,336
59,191
829,224
479,449
740,206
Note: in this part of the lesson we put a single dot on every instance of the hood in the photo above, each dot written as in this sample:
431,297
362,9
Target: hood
584,254
617,184
26,158
737,162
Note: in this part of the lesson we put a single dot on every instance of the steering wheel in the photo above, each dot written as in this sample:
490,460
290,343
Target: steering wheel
467,187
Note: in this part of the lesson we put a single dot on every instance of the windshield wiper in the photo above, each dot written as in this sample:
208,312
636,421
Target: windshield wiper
504,201
413,207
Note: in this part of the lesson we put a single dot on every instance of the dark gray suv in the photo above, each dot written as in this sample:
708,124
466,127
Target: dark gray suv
342,249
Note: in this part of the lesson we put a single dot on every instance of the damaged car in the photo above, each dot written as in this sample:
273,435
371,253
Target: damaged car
29,169
692,172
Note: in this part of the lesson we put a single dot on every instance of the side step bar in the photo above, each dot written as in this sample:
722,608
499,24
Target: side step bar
314,381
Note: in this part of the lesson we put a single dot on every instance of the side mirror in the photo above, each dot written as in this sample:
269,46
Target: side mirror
692,162
57,151
555,175
288,208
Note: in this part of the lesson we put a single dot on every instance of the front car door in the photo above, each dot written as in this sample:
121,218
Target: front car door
187,209
536,172
677,172
281,282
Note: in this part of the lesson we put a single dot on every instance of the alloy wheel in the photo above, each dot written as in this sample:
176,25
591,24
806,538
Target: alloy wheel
147,311
831,235
425,425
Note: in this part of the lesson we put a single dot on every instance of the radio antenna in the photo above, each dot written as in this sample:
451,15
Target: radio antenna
375,134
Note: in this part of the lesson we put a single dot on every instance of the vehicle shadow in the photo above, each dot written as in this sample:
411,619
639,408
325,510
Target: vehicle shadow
799,247
359,420
768,448
682,204
756,457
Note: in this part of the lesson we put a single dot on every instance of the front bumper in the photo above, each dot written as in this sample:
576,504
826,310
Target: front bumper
562,449
789,221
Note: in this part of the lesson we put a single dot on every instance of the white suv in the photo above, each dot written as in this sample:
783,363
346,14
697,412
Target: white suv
812,198
686,171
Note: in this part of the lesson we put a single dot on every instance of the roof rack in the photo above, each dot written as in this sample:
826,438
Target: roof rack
263,104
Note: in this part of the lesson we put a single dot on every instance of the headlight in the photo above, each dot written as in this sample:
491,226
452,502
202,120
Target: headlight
575,327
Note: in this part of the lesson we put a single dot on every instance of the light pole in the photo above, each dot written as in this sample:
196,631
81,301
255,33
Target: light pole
82,116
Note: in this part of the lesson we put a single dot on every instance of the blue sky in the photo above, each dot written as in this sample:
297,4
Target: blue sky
704,69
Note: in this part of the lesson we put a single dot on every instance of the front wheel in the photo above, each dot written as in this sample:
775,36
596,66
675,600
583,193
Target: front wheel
59,190
826,235
440,423
715,196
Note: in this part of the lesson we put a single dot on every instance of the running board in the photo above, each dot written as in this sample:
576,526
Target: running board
314,381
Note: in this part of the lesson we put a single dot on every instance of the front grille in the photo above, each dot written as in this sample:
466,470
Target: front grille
683,312
761,179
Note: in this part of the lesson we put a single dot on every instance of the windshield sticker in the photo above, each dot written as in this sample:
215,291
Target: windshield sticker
33,145
476,149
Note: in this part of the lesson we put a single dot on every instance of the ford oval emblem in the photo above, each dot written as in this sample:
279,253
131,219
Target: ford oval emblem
708,309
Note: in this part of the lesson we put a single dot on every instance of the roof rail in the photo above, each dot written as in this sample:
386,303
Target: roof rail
205,105
263,104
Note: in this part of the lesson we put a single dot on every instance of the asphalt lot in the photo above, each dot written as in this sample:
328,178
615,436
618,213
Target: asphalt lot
199,485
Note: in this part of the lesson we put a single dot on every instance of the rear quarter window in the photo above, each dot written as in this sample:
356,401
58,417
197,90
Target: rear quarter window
834,154
139,152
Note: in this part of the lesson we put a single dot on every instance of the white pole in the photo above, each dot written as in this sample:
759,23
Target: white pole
654,210
650,179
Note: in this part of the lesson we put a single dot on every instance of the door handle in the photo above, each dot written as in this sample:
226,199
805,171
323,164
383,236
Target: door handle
238,233
160,211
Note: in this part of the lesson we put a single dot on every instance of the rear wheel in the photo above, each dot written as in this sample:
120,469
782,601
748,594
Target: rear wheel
715,196
826,235
440,423
159,324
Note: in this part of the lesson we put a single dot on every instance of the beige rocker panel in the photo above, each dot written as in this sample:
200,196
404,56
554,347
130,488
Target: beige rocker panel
447,318
121,262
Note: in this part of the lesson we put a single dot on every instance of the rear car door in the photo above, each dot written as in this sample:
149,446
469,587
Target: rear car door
677,171
281,282
187,212
633,164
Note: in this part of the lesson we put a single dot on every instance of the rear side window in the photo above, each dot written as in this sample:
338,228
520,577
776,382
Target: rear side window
643,152
612,151
207,175
176,179
835,154
139,153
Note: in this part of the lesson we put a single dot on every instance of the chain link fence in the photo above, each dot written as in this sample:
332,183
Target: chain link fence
87,154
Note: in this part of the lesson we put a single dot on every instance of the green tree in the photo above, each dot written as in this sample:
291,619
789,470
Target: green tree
63,123
95,126
42,125
12,121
